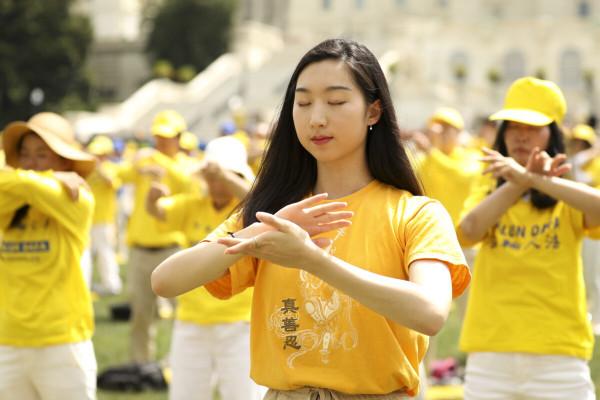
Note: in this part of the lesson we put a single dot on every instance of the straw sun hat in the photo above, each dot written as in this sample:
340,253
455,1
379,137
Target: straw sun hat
56,132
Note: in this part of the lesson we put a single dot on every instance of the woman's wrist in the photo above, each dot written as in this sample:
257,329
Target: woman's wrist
314,260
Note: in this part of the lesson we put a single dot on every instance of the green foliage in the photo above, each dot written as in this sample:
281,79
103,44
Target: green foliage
190,33
42,45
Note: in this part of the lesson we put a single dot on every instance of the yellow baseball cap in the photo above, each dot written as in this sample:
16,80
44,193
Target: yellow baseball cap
188,141
534,102
168,124
584,132
448,115
101,145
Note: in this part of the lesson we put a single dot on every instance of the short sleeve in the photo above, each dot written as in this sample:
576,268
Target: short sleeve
429,234
242,274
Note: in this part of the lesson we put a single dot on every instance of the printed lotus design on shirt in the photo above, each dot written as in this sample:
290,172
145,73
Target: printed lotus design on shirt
330,322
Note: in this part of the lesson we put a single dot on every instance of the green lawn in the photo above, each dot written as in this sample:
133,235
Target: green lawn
111,342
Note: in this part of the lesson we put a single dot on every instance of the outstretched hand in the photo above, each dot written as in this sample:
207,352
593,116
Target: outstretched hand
316,218
285,244
539,162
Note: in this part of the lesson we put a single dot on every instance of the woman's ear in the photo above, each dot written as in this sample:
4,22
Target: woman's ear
374,112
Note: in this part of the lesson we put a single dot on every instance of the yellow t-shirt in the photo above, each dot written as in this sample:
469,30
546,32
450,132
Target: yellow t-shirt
592,168
105,192
198,217
448,178
528,293
306,333
143,229
2,159
43,296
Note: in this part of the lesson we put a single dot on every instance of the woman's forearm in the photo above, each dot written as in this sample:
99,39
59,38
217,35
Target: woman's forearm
577,195
196,266
407,303
474,226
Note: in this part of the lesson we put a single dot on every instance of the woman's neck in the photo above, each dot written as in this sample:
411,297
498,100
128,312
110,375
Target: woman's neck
339,181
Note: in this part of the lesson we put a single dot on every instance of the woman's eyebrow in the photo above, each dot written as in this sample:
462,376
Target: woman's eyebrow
328,89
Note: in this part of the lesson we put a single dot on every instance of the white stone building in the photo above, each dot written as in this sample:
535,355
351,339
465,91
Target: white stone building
460,53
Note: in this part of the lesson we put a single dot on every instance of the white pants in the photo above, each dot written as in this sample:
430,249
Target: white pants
103,251
198,352
519,376
60,372
86,266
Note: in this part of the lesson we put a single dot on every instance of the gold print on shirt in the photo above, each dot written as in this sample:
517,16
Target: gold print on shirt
330,316
536,237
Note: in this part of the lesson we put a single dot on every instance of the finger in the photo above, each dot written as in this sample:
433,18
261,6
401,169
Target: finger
488,159
489,151
278,223
493,167
309,201
245,246
334,216
74,193
561,170
325,208
557,160
230,241
322,242
328,227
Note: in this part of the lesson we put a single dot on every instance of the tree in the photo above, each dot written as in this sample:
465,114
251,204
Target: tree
190,33
43,49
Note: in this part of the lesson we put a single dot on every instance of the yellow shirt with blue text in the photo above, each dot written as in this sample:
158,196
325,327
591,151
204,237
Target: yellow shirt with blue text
528,294
43,296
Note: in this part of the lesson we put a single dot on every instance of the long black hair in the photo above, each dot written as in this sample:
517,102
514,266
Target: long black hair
288,172
556,145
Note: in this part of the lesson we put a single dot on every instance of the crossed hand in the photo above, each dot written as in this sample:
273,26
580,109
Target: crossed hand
539,162
288,240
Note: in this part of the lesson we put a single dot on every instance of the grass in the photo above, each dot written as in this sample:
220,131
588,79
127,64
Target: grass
111,342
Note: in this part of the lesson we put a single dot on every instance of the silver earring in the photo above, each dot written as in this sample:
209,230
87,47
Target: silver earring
370,128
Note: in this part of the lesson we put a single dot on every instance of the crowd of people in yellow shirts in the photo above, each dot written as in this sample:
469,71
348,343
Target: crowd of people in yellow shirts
521,208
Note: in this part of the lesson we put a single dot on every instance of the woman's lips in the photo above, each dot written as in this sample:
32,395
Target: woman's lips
320,140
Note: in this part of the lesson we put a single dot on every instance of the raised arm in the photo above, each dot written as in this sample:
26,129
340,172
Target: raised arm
543,174
63,197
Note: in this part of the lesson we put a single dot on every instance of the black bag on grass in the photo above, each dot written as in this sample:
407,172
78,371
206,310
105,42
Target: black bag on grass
133,378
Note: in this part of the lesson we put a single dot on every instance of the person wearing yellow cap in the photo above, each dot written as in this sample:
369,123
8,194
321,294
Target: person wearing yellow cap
526,329
149,244
446,161
46,315
104,182
211,337
584,156
188,142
